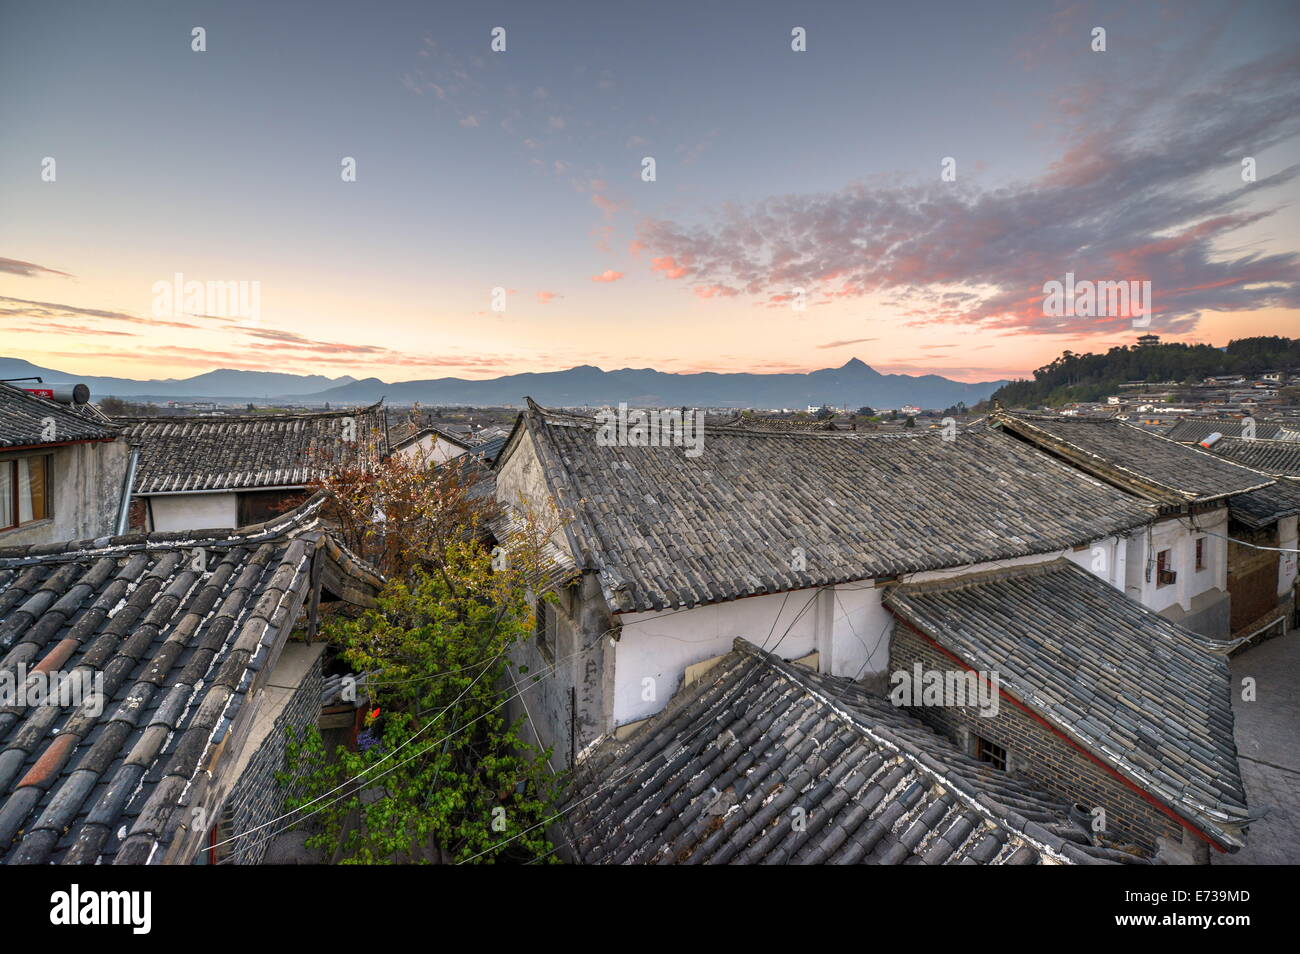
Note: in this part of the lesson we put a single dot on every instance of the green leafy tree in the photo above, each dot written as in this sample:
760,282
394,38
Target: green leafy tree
441,774
1090,377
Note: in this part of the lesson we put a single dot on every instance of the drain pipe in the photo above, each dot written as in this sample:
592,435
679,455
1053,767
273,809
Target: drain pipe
124,506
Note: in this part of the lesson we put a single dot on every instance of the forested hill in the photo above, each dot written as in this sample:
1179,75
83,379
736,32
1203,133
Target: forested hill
1090,377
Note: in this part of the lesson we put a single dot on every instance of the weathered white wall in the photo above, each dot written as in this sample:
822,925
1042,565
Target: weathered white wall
1286,567
433,450
521,483
194,511
1179,535
859,633
86,490
659,646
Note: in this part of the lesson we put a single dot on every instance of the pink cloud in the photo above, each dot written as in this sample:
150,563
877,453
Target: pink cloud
546,297
713,291
608,275
605,203
1151,199
668,265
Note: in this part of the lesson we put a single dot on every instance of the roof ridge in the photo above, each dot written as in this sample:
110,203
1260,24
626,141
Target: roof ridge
1013,572
1017,826
243,418
302,518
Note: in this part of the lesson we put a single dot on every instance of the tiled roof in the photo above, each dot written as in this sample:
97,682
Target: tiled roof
1148,698
30,420
487,449
722,773
667,530
182,653
249,451
750,422
1193,430
490,449
555,566
1259,508
1279,458
1153,467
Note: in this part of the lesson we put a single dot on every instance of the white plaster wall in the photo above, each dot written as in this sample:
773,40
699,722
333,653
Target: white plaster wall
847,624
521,483
433,449
194,511
1179,535
86,483
860,631
659,646
1104,558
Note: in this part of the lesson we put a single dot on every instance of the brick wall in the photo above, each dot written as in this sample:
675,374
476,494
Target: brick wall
1036,753
257,797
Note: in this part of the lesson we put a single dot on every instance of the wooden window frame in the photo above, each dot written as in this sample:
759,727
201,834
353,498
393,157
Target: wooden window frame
1165,576
14,489
544,630
990,753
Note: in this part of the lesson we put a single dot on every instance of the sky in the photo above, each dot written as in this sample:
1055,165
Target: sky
500,218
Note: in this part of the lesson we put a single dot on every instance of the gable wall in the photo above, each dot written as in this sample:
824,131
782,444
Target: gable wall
432,449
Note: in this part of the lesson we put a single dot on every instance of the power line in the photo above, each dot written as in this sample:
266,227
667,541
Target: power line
370,768
705,724
367,770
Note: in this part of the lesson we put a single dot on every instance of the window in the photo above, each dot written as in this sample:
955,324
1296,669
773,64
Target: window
987,751
24,490
219,846
1200,553
1164,574
546,631
259,506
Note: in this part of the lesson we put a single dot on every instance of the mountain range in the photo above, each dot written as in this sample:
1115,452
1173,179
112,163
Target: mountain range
852,385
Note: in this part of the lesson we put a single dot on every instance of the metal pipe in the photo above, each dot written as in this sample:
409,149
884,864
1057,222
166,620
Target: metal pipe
124,507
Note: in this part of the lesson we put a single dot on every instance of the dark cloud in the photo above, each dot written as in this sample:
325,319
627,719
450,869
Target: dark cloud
48,309
850,341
